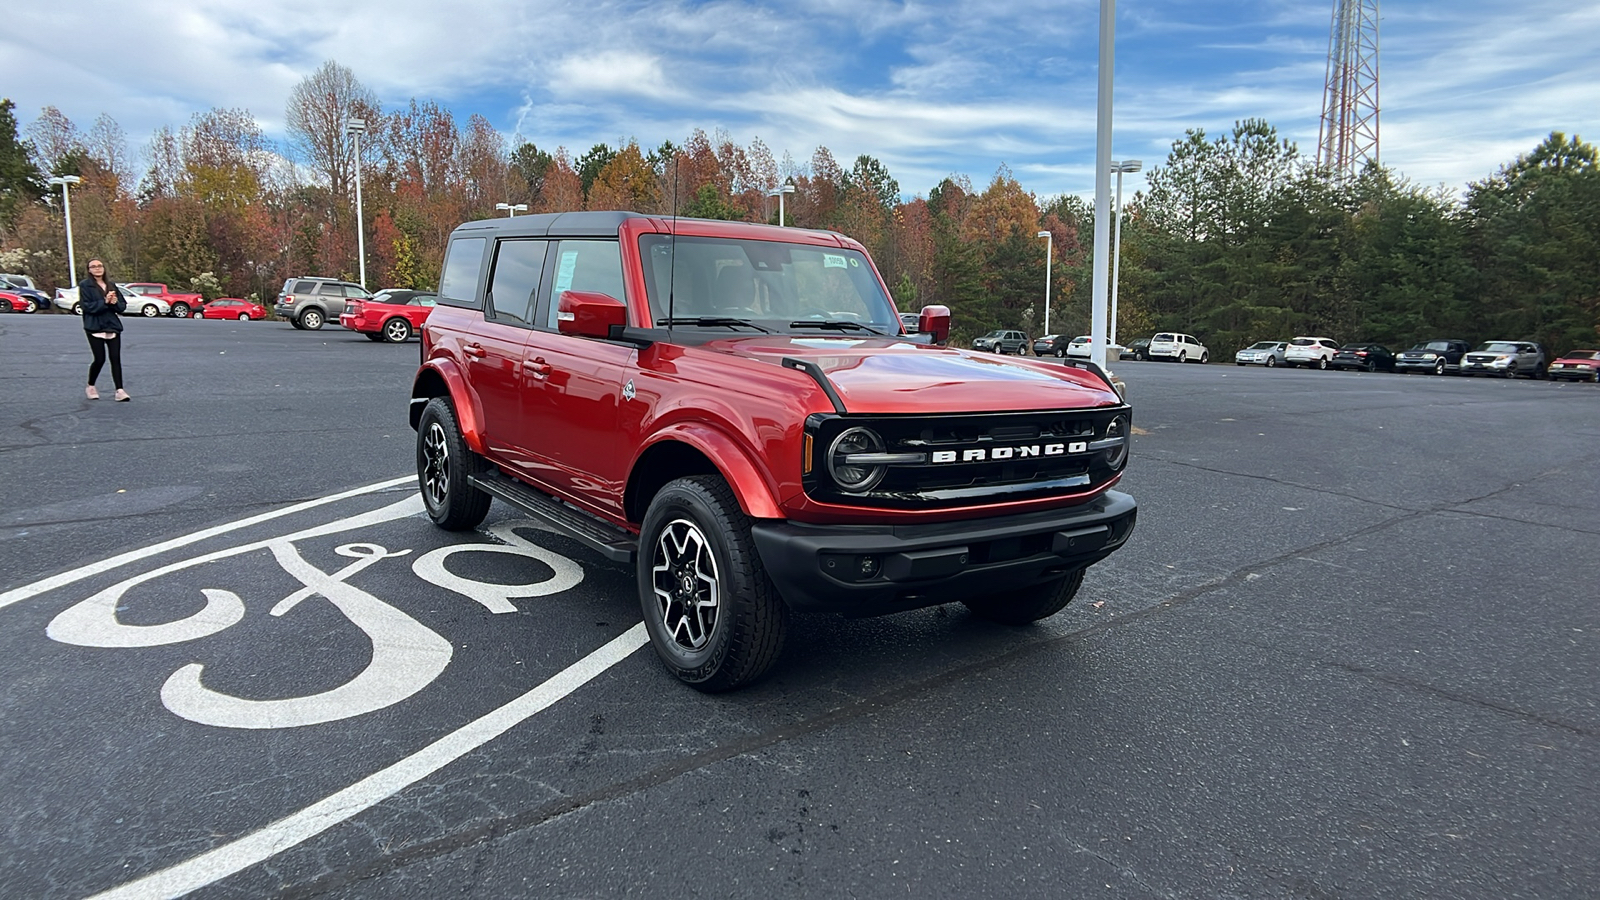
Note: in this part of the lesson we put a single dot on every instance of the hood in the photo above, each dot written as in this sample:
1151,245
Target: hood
886,375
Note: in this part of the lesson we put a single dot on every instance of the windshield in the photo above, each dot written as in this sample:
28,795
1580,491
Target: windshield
764,281
1583,354
1263,345
1498,347
1434,345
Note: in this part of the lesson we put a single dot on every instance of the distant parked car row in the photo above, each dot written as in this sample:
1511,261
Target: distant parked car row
1507,359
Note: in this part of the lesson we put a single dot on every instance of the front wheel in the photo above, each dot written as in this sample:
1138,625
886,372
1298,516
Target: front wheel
311,319
713,614
445,465
396,331
1205,357
1438,367
1029,604
1272,362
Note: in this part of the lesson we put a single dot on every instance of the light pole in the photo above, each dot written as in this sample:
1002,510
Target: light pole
357,127
512,208
1049,241
66,205
1128,166
1102,189
779,192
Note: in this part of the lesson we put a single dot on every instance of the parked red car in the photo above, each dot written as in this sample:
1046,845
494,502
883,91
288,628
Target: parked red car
10,302
231,308
392,315
1576,365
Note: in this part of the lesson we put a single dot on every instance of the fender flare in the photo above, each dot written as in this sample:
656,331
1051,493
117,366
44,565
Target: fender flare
743,476
469,413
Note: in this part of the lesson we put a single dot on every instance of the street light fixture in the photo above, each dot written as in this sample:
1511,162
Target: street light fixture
779,192
66,205
1128,166
512,208
357,127
1049,241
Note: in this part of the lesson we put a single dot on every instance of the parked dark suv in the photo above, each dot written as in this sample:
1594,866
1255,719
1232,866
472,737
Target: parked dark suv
309,302
1438,356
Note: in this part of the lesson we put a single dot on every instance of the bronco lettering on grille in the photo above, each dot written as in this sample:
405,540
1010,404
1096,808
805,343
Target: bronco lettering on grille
988,454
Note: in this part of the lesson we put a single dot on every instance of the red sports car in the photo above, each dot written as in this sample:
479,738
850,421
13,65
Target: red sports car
392,315
10,302
1578,365
231,308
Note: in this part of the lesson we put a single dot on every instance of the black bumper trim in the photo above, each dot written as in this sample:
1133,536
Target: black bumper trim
867,570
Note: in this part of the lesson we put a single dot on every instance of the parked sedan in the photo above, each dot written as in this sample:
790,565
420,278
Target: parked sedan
1139,349
1262,353
11,301
1369,357
391,315
1576,365
1438,357
1050,345
231,308
145,305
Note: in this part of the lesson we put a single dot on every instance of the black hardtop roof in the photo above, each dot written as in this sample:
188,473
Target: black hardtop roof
592,224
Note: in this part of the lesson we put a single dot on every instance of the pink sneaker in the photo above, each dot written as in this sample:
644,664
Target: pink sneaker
122,396
92,393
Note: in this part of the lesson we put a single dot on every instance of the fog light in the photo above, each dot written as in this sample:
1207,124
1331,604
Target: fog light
869,566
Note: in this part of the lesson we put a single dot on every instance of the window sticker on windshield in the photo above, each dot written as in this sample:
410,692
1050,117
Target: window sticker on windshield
830,261
569,262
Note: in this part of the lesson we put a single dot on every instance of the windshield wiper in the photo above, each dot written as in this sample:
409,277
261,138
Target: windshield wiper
839,325
712,322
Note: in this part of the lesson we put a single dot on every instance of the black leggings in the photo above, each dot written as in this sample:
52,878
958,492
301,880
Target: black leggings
100,347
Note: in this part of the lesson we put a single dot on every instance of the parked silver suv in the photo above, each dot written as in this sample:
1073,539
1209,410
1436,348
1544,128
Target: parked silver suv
1508,359
309,302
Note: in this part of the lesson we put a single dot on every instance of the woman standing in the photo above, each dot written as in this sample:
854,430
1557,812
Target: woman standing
100,302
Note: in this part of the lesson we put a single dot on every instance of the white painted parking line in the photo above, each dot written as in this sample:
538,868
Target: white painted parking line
27,591
232,858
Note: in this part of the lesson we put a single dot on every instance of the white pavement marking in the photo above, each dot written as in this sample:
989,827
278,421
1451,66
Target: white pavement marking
406,657
93,622
228,859
496,598
27,591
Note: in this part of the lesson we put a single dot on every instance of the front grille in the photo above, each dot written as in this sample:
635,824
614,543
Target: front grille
964,460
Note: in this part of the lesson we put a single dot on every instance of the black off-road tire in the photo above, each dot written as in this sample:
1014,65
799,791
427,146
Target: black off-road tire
312,319
1029,604
373,336
692,525
444,465
296,323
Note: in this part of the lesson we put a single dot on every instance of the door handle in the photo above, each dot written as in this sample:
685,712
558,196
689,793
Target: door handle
538,367
475,350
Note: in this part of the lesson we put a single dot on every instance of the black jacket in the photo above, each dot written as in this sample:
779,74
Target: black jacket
100,314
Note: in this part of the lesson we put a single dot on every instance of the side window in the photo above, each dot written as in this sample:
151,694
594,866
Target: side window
517,267
303,287
355,292
463,263
585,266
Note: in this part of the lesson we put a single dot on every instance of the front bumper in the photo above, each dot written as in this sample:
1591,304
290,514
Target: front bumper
868,570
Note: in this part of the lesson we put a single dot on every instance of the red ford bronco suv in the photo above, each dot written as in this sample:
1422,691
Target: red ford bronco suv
736,411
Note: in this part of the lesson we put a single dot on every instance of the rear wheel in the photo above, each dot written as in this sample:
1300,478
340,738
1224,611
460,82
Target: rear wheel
181,310
396,330
444,466
1029,604
311,319
714,616
1322,362
244,317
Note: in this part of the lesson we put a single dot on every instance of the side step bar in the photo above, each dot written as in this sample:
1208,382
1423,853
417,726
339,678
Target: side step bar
613,543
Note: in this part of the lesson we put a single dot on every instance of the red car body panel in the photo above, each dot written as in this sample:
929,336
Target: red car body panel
230,308
370,316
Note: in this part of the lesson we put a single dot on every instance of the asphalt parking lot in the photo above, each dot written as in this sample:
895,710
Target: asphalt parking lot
1351,651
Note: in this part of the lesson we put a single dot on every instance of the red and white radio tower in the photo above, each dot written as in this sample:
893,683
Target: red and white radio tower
1348,139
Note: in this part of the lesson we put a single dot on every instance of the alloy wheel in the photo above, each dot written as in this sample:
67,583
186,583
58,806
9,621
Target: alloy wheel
684,580
436,466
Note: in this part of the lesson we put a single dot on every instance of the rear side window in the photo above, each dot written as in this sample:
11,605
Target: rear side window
463,264
517,267
303,287
1162,337
585,266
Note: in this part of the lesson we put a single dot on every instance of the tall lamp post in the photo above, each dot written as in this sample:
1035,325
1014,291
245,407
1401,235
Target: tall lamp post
511,209
357,127
1049,241
779,192
66,205
1128,166
1102,187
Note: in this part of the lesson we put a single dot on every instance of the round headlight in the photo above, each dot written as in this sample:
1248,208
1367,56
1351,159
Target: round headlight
1117,457
854,477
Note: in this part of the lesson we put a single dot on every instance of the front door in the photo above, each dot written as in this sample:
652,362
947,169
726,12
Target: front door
496,354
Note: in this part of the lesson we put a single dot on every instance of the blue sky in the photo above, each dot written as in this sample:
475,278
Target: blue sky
931,89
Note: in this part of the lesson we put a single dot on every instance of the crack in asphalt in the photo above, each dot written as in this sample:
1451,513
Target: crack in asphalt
490,831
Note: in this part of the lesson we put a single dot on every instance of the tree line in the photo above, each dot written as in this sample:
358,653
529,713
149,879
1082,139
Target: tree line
1235,238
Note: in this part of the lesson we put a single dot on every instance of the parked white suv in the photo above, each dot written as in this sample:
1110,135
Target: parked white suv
1179,347
1313,352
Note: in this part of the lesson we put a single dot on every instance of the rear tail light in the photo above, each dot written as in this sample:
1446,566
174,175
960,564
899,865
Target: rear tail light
289,300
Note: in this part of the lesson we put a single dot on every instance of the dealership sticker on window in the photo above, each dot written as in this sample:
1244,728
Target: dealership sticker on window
830,261
569,261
